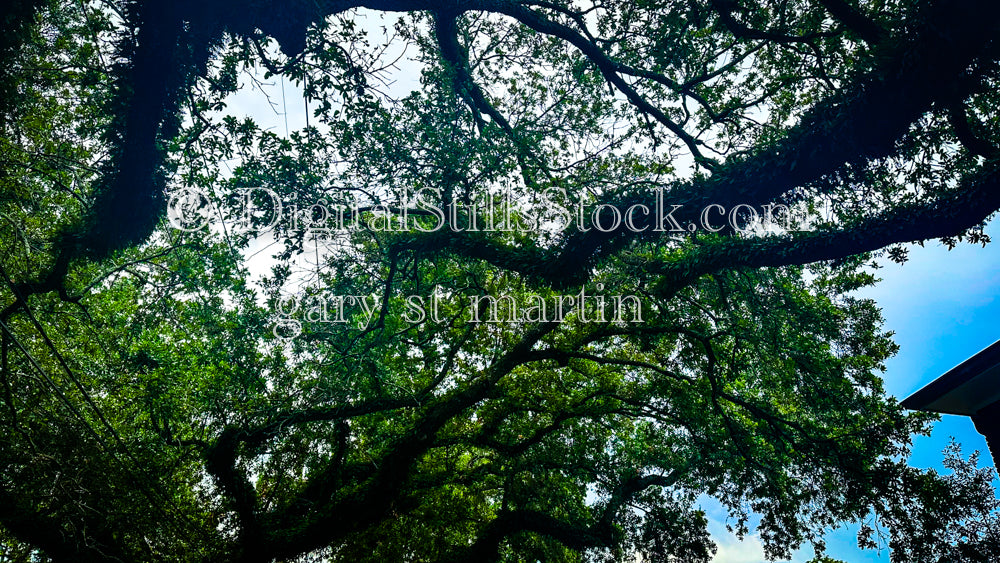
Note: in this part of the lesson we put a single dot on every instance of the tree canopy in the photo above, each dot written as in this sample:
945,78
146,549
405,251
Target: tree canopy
516,306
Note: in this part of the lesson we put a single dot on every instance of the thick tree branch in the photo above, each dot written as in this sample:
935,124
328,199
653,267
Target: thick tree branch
949,215
863,122
866,28
963,128
725,9
50,535
375,496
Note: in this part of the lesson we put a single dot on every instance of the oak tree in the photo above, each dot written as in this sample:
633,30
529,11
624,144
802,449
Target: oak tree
167,397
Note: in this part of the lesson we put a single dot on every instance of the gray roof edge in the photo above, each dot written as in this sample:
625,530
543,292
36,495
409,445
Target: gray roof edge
954,378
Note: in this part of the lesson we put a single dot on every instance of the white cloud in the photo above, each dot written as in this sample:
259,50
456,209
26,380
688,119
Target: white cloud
733,550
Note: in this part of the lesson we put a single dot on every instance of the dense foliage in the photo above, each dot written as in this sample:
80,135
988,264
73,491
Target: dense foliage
265,387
